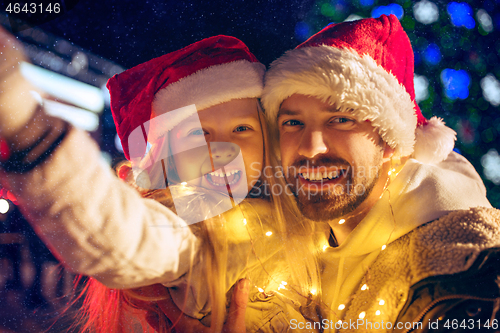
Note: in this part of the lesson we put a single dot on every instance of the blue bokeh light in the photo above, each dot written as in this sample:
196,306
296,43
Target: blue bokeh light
389,9
461,14
417,59
432,54
456,83
302,31
366,3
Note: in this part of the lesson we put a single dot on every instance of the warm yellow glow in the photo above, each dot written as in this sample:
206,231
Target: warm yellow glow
364,287
377,313
244,221
341,221
313,291
283,283
341,307
382,302
184,183
340,322
383,247
325,247
261,290
269,233
362,315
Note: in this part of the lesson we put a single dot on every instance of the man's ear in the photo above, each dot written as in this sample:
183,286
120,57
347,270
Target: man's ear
388,152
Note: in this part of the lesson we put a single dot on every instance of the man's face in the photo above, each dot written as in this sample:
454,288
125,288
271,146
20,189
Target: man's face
333,160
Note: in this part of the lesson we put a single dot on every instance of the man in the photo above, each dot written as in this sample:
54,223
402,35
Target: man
409,226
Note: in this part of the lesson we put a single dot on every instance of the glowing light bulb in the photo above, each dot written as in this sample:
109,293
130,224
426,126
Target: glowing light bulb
383,247
269,233
362,315
261,290
313,291
184,183
283,283
377,313
244,221
4,206
325,247
382,302
341,307
364,287
390,172
341,221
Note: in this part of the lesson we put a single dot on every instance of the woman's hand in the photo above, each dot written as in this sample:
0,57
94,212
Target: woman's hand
235,322
17,103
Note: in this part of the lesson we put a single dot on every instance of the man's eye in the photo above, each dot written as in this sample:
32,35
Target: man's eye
342,120
292,122
242,128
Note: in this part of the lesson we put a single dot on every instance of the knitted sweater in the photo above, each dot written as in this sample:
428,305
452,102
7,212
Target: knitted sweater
446,246
365,280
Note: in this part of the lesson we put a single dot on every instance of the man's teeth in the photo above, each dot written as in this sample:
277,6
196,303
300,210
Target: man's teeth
316,176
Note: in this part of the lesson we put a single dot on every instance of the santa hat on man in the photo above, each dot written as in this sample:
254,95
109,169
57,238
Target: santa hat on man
209,72
364,67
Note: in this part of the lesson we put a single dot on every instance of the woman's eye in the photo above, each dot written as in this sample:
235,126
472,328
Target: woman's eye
196,132
292,122
242,128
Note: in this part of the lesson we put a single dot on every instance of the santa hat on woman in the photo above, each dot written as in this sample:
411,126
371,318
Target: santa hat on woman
209,72
364,67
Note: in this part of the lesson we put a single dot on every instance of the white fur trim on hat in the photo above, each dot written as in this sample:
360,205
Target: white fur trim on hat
351,82
434,141
211,86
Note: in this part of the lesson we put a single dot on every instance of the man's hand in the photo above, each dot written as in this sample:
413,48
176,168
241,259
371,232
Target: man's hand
235,322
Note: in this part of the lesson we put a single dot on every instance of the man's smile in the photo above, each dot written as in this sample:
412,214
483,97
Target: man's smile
321,178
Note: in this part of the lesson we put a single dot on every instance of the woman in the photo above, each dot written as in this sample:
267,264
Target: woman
100,227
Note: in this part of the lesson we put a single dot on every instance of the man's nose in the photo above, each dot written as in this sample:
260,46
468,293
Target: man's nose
312,144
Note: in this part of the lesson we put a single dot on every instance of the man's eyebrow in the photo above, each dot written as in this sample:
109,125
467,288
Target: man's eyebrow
286,112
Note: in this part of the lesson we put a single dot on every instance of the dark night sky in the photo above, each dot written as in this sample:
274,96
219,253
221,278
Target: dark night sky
130,32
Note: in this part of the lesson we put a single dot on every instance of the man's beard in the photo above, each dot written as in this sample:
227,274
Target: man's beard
340,199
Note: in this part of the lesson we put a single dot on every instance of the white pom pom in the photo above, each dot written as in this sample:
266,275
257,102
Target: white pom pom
434,141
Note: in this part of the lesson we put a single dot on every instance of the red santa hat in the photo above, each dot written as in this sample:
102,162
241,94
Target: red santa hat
209,72
364,67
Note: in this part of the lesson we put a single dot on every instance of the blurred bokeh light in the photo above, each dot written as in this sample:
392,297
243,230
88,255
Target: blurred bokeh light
426,12
461,15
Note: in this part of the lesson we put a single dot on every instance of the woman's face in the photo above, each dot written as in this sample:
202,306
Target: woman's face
233,133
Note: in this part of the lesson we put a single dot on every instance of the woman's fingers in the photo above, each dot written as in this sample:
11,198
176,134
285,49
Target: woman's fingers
235,322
